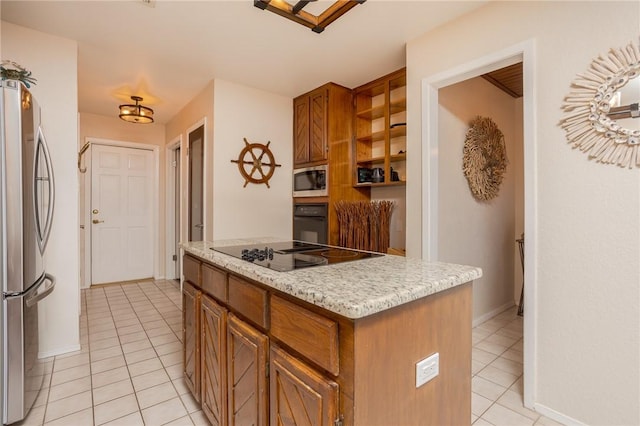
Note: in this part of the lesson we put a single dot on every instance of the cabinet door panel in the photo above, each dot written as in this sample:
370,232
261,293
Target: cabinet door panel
191,269
213,353
214,282
318,126
191,338
248,300
312,335
299,395
246,371
301,130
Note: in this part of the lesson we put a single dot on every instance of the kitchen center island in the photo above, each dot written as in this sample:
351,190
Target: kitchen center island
326,345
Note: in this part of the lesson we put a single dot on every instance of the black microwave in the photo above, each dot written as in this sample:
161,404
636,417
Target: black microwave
310,182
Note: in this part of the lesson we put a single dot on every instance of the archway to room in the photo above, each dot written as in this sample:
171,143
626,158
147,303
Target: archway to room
483,232
461,230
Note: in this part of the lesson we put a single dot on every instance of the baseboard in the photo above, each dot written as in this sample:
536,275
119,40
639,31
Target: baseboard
59,351
556,416
491,314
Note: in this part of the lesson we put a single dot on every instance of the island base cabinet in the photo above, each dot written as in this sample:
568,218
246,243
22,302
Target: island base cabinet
300,396
247,390
214,361
191,338
387,347
257,357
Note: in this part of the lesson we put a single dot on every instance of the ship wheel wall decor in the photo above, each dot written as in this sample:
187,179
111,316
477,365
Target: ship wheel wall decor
261,168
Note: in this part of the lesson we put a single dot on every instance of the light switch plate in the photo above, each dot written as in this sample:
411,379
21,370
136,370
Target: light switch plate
427,369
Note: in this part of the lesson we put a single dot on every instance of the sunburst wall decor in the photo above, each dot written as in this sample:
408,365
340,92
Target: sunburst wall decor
588,111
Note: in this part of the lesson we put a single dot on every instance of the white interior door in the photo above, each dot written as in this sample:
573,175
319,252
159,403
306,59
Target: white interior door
121,214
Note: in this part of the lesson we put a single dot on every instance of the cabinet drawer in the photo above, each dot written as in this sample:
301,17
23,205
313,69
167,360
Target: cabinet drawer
249,300
312,335
214,282
191,269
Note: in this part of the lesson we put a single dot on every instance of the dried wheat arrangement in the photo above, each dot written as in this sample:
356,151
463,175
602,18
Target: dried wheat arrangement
364,225
384,209
484,158
586,122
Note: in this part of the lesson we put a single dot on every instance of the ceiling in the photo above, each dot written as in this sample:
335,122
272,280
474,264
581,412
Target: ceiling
168,51
508,79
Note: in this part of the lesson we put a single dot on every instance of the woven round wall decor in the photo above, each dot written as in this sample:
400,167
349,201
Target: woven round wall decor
484,160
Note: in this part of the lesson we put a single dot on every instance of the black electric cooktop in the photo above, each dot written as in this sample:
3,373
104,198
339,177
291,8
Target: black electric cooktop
290,255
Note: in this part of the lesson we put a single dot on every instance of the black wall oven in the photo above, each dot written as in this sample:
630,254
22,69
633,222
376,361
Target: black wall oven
310,222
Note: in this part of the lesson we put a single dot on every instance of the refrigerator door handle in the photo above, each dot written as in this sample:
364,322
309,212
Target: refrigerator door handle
44,232
36,297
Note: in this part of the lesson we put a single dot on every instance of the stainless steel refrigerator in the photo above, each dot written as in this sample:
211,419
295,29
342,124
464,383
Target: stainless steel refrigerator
26,213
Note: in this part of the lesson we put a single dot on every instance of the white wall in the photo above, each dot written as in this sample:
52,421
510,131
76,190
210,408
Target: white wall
198,110
586,322
233,112
259,116
113,128
53,61
473,232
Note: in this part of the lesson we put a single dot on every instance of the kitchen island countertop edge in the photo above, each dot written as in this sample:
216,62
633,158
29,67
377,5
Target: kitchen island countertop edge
352,289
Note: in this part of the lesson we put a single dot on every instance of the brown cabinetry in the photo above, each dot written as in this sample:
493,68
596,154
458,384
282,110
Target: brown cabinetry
310,127
263,357
323,129
191,337
380,131
306,332
214,361
299,395
247,376
227,365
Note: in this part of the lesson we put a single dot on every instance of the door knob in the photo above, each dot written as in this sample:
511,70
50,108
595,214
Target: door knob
97,221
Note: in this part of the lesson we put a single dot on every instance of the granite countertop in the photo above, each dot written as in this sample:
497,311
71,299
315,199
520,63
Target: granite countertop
351,289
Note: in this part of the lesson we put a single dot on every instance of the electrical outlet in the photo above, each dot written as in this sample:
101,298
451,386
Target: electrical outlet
427,369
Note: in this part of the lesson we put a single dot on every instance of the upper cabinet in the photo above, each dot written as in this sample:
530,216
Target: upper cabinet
380,131
310,124
320,117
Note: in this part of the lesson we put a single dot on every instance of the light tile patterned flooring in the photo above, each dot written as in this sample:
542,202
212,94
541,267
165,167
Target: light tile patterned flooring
496,368
129,370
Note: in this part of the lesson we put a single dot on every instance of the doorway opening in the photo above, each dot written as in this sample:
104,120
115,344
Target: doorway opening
196,184
478,232
173,212
435,198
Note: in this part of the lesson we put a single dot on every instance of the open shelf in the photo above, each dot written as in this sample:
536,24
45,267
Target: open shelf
372,113
372,160
373,185
394,132
380,126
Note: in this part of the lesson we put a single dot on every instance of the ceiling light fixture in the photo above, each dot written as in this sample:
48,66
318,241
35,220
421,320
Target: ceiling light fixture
295,13
136,113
